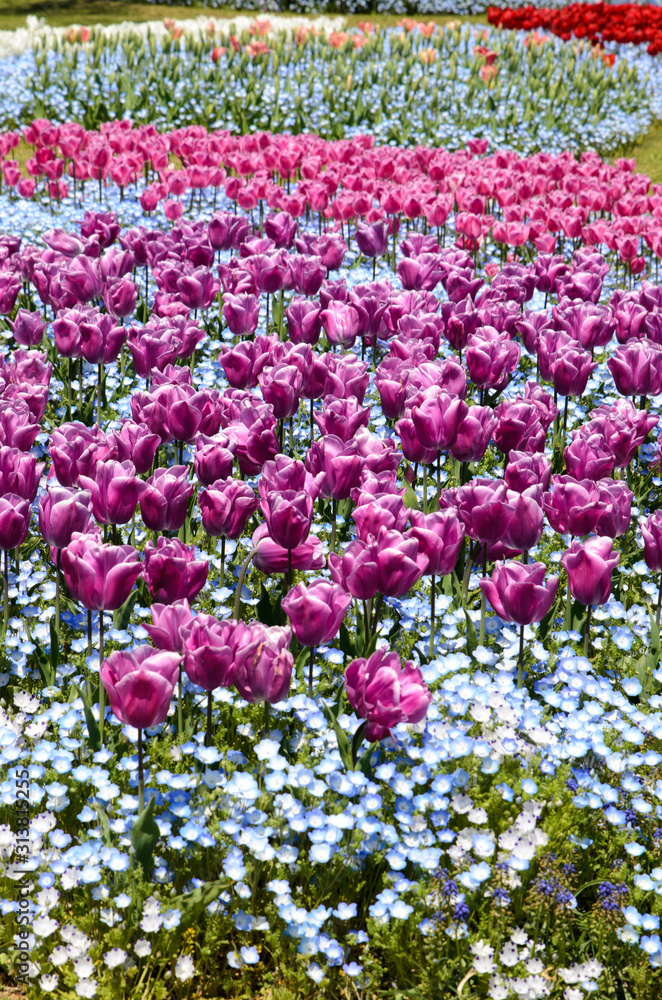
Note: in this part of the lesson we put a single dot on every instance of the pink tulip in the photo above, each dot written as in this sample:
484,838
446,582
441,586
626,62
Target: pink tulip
385,694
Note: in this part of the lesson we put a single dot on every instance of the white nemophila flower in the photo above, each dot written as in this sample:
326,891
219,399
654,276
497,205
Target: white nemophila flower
142,948
49,983
114,957
184,968
83,967
44,926
59,956
47,899
509,955
86,987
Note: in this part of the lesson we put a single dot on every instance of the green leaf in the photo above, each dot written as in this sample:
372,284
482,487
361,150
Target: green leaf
341,735
122,616
93,734
268,612
301,663
44,664
472,638
192,904
106,836
145,836
410,499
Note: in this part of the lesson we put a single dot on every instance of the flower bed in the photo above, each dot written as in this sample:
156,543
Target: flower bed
625,23
416,84
354,410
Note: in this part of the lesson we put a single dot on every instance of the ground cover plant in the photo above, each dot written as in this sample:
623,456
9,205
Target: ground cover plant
330,517
416,84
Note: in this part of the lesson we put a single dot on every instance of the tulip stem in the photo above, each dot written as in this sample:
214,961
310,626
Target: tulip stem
433,594
102,690
520,662
222,572
425,489
58,565
89,633
334,511
266,718
312,423
311,663
240,583
141,774
69,372
565,421
659,601
80,388
6,590
482,599
208,733
568,610
99,384
587,630
180,700
288,579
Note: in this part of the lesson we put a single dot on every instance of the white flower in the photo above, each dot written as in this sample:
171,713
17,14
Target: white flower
142,948
114,957
44,926
59,956
86,987
83,967
49,983
481,949
184,969
508,955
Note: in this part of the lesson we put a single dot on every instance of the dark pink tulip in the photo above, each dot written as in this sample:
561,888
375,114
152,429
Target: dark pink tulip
281,228
210,647
282,388
76,450
268,272
526,524
226,506
254,434
637,369
14,520
385,511
83,279
440,536
316,611
288,516
273,558
437,419
171,571
342,417
651,531
100,577
28,328
484,509
623,428
263,664
303,321
379,454
573,507
241,313
589,566
392,392
616,519
384,694
101,340
168,624
544,403
213,458
140,683
526,469
197,290
135,443
64,510
190,412
336,466
341,324
115,491
119,296
473,434
347,376
389,564
305,274
19,473
412,448
164,501
66,330
516,591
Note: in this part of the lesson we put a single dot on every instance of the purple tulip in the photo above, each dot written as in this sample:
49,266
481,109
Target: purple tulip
14,521
386,511
281,227
171,571
588,457
473,434
389,564
119,296
76,450
210,647
616,519
226,506
439,536
316,611
115,491
303,321
288,516
213,458
570,370
18,427
270,557
263,664
651,530
637,369
526,524
64,510
384,694
28,328
282,388
168,624
372,240
164,502
437,420
573,506
101,340
100,577
336,465
519,427
526,469
412,448
484,509
140,683
589,566
516,592
341,324
305,273
285,473
491,359
342,417
241,312
19,473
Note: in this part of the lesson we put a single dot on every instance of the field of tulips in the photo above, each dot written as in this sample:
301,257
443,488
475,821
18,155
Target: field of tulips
417,84
331,539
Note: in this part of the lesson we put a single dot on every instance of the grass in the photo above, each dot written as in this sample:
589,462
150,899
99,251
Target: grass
648,153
